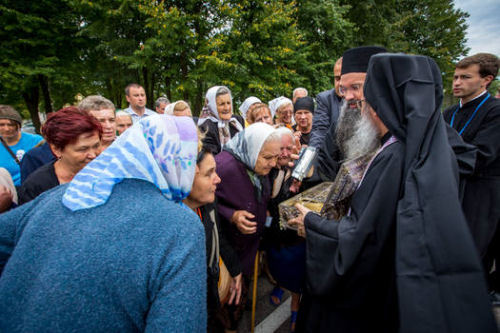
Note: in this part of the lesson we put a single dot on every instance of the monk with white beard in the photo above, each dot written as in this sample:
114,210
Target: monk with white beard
401,257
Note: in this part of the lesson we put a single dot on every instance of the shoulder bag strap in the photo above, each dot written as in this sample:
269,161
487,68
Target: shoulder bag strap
10,150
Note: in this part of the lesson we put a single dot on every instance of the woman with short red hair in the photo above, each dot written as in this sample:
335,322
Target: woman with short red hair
74,136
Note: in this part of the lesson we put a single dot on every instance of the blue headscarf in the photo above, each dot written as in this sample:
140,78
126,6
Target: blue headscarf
159,149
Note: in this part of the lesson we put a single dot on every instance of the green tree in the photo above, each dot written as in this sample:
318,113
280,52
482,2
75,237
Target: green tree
429,27
261,51
38,47
326,32
115,30
433,28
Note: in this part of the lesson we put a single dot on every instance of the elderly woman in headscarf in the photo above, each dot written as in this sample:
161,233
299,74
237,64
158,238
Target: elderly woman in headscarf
259,112
282,108
178,109
217,121
115,249
244,191
246,105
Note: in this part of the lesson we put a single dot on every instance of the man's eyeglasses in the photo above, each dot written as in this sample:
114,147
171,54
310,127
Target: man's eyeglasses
355,88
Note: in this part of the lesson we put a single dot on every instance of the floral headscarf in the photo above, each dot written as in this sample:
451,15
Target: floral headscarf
160,149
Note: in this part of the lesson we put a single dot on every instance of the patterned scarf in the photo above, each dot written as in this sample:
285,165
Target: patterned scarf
209,112
159,149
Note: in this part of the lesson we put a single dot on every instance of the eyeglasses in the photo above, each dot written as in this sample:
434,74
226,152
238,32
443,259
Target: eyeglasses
355,88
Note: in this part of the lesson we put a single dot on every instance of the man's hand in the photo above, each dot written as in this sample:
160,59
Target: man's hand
235,290
299,220
241,218
297,146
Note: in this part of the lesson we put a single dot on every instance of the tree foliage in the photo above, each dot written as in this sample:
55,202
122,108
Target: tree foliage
53,50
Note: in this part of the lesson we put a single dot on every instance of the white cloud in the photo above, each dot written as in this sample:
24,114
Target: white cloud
483,34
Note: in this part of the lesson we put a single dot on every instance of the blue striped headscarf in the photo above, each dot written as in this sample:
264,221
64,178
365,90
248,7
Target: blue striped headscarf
160,149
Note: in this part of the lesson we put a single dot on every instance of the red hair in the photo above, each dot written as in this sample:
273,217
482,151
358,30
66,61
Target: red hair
66,125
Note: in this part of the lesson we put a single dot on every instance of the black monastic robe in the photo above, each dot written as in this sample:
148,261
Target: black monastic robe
404,259
481,201
351,278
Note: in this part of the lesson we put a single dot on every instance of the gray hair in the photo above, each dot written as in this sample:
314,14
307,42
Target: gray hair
223,90
274,136
285,131
123,114
160,100
96,103
296,90
356,136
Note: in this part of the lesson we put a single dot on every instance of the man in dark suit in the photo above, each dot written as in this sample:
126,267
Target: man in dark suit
323,129
327,110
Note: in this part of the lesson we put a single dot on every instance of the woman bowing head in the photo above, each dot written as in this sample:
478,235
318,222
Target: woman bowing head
244,190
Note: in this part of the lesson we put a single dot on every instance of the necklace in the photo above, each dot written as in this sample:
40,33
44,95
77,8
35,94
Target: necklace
470,118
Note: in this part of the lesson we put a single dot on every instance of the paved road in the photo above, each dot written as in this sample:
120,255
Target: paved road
270,318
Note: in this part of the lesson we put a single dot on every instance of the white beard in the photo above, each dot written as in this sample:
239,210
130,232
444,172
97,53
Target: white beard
356,134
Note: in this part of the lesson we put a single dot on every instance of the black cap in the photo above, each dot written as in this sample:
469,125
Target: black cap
304,103
356,60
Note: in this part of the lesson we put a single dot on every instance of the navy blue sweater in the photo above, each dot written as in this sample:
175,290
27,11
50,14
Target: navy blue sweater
134,264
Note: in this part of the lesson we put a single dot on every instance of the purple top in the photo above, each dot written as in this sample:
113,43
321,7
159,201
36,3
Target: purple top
236,192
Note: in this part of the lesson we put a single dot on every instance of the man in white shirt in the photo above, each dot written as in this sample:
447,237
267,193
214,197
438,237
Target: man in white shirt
136,97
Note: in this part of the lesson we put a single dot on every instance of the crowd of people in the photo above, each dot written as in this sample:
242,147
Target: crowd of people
142,220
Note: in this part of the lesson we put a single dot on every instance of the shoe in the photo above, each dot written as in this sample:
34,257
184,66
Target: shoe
278,293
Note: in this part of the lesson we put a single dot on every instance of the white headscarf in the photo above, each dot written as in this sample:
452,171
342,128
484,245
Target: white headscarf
170,108
246,145
276,103
247,103
210,113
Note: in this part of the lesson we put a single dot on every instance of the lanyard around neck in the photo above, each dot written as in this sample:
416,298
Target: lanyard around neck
471,117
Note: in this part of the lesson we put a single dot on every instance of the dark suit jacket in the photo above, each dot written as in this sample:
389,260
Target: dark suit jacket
329,155
327,111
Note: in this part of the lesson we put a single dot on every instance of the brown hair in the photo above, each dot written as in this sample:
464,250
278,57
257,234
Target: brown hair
488,63
132,85
255,110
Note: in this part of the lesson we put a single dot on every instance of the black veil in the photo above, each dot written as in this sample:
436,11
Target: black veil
440,281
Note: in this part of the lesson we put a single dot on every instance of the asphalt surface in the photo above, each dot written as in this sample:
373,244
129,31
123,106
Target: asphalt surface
264,310
270,318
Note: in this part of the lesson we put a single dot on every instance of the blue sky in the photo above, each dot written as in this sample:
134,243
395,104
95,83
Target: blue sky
483,33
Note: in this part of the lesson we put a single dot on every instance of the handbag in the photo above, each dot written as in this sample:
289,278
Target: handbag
224,283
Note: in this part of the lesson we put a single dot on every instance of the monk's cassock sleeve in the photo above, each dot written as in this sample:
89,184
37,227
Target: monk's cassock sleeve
342,256
465,153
